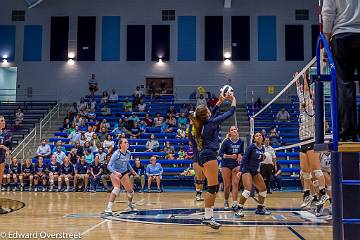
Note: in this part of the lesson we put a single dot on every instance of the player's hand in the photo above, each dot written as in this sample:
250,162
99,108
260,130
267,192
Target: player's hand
221,99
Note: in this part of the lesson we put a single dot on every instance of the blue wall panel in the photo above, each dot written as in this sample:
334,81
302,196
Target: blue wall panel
186,38
7,42
267,38
110,41
32,43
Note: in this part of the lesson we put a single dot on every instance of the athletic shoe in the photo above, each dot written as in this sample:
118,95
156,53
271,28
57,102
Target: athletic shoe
132,207
21,188
226,206
262,211
307,201
159,191
239,213
211,223
140,190
8,189
3,188
67,190
319,209
198,197
149,190
322,200
92,191
14,189
108,212
44,189
235,207
35,189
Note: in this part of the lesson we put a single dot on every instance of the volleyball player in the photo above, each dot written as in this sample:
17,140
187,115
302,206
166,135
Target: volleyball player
120,167
199,171
54,169
325,163
6,178
27,173
15,171
5,145
207,124
309,159
250,175
40,173
231,152
67,173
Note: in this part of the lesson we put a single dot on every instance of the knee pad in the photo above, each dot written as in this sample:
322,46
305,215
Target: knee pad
130,194
318,173
263,194
197,181
246,194
213,189
328,188
116,191
306,175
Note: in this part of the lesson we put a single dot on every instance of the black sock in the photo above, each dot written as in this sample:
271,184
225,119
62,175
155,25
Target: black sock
306,193
330,200
322,191
315,198
260,206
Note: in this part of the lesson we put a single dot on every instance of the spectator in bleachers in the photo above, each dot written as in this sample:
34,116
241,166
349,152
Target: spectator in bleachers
148,120
82,139
181,153
80,149
192,95
276,184
70,129
58,143
171,110
152,145
81,105
67,173
104,124
105,176
134,117
77,120
213,100
141,106
163,87
105,97
75,136
189,151
158,120
165,127
27,173
105,110
73,157
268,164
113,98
108,144
258,103
263,133
116,132
81,173
127,124
102,155
95,174
142,126
88,145
89,133
90,113
181,132
138,95
40,173
122,135
183,109
152,89
103,134
43,149
168,149
95,143
66,124
190,107
19,118
128,106
140,170
15,171
72,111
201,101
135,131
54,169
274,137
182,120
154,170
283,116
59,155
171,157
93,84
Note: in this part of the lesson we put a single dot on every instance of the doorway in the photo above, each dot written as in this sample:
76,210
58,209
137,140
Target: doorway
8,79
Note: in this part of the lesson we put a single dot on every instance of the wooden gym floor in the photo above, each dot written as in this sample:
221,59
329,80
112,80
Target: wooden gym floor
81,213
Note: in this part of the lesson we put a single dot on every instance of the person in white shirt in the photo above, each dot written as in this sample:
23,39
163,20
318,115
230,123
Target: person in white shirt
89,133
283,115
75,135
158,120
108,144
113,96
60,155
43,150
201,101
142,106
268,164
138,93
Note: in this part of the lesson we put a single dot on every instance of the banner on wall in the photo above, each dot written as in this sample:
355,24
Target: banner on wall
271,89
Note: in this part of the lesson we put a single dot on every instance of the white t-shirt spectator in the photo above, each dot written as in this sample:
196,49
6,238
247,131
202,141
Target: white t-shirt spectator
88,136
43,150
138,93
158,121
142,107
201,101
113,97
108,144
283,115
269,155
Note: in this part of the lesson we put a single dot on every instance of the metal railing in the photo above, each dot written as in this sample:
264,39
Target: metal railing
31,137
49,118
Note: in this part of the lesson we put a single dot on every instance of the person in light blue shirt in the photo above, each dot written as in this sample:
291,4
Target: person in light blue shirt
75,135
59,154
89,157
120,167
43,150
154,171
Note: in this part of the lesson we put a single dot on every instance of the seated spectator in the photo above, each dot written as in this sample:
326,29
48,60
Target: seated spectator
182,120
127,124
73,157
117,131
87,145
59,143
80,149
119,123
263,133
89,156
59,155
201,101
258,103
141,106
171,120
183,109
104,124
54,170
189,151
138,95
140,170
166,128
105,97
43,150
134,117
212,101
81,106
40,174
73,110
170,157
27,173
191,107
105,110
171,110
95,143
96,126
154,171
105,175
283,116
93,85
81,173
82,139
91,114
168,149
66,124
95,174
108,144
181,153
158,120
152,145
103,134
128,106
148,120
102,155
135,131
19,118
15,171
67,174
89,133
277,177
181,132
274,137
113,98
142,126
75,136
152,89
122,135
71,128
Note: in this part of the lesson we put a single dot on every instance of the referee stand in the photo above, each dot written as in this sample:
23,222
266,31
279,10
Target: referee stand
345,171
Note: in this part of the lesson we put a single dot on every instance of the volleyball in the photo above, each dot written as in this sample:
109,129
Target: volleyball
226,91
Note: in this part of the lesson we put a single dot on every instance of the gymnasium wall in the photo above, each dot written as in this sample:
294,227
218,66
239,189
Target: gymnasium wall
262,57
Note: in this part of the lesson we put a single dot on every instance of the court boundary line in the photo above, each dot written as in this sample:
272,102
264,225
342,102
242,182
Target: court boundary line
296,233
93,227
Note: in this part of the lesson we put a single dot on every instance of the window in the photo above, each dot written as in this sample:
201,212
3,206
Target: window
18,16
302,14
168,15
